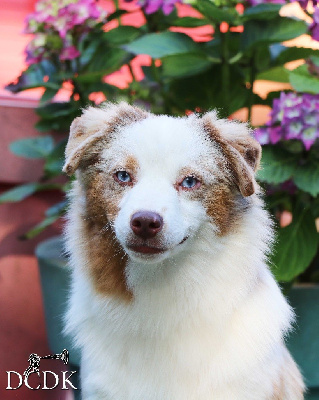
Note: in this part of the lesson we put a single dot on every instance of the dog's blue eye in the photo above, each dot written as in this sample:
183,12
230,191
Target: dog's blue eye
189,182
123,176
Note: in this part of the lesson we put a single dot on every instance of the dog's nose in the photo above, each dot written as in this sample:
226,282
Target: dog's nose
146,224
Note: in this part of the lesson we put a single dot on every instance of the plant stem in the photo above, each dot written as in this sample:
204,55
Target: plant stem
131,71
252,77
224,37
117,7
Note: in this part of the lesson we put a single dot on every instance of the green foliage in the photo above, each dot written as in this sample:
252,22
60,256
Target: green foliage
19,193
277,166
163,44
296,246
270,31
276,74
262,12
190,22
182,65
302,81
187,75
36,230
37,147
306,178
217,14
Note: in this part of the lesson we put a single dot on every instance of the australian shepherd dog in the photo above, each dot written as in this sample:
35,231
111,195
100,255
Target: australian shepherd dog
168,239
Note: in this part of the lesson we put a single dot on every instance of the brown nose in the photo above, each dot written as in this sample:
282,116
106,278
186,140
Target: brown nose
146,224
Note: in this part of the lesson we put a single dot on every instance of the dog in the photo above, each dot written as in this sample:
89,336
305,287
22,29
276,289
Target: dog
168,238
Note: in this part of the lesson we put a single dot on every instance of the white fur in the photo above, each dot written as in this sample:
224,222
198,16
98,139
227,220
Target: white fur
207,320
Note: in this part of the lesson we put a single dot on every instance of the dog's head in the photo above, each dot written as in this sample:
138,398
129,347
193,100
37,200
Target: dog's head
156,179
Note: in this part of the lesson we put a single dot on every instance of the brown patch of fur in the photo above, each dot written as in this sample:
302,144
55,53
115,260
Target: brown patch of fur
225,206
250,149
106,258
107,261
236,153
131,165
125,115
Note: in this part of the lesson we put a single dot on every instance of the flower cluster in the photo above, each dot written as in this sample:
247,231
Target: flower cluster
151,6
256,2
294,116
58,25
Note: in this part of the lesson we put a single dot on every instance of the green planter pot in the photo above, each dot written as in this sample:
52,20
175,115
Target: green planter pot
55,281
304,341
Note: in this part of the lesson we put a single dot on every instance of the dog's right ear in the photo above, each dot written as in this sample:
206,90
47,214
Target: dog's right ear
74,149
94,124
241,150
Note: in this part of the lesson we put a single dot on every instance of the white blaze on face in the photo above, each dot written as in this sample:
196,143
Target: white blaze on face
166,150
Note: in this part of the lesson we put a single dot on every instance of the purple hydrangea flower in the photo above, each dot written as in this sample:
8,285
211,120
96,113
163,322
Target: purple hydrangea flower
61,25
256,2
304,3
314,27
151,6
293,116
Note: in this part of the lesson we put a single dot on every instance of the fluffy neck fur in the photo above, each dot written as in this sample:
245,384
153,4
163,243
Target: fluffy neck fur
200,311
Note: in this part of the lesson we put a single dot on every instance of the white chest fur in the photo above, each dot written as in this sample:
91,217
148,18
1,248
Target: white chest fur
207,324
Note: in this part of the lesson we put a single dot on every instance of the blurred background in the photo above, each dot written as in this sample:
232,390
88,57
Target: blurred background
253,60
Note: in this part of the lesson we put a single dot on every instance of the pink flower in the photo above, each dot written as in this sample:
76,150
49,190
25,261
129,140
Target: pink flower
151,6
69,53
314,27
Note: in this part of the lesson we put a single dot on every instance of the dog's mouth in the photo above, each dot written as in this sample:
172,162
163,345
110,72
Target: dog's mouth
146,249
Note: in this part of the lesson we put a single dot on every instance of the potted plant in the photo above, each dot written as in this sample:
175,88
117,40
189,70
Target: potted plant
290,176
209,58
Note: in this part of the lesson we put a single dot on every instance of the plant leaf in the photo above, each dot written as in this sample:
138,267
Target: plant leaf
182,65
116,14
190,22
216,14
18,193
55,160
306,178
262,11
302,81
37,147
105,61
48,95
276,74
40,227
296,246
275,30
34,77
287,54
162,44
57,209
122,34
278,165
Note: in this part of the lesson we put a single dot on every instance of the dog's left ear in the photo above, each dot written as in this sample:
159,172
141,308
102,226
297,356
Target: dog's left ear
95,124
241,150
